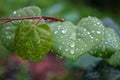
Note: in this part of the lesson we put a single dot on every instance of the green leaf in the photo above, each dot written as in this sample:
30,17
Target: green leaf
33,42
72,41
25,12
7,31
7,36
109,46
114,59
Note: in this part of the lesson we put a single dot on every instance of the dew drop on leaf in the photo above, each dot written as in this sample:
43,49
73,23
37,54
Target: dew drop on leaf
72,45
55,32
98,32
72,51
66,49
64,31
14,12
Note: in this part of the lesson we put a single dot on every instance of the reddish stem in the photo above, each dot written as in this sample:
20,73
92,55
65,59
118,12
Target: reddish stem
5,20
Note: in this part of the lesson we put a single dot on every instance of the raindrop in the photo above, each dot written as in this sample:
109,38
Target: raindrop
8,28
66,49
60,47
9,37
106,43
72,45
91,37
84,29
85,45
96,39
91,40
98,32
59,27
61,57
14,12
98,23
72,51
55,32
79,39
88,32
72,38
64,31
93,31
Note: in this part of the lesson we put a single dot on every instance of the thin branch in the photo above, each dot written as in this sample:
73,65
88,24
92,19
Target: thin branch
38,21
5,20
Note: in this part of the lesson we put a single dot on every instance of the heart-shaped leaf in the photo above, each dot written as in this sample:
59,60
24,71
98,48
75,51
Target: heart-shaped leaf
33,42
109,46
7,31
72,41
25,12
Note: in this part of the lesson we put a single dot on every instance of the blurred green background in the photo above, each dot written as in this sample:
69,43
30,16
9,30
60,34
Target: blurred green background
87,67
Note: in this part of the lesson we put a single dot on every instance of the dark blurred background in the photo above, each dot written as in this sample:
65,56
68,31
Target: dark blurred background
53,67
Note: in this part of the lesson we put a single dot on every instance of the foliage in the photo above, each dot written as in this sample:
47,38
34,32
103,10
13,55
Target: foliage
32,40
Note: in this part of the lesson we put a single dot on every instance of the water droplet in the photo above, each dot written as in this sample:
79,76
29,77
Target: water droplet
93,31
64,31
72,45
85,45
79,39
9,37
84,29
66,49
60,47
106,43
91,37
91,40
72,38
96,39
98,23
7,27
14,12
55,32
98,32
59,27
88,32
72,51
61,57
